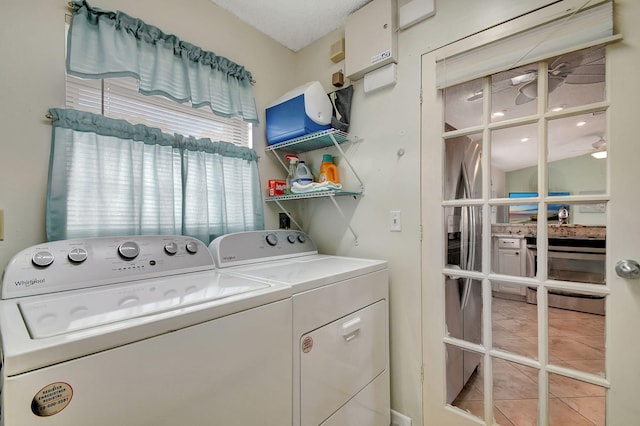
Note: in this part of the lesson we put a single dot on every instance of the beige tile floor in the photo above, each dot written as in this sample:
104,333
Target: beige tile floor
576,340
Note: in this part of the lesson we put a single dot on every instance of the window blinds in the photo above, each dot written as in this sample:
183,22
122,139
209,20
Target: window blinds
122,101
575,30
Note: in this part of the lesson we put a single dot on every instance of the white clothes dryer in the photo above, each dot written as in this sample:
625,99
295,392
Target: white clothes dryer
141,331
340,323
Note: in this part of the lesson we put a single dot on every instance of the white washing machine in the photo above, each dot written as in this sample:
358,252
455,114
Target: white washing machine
340,323
141,331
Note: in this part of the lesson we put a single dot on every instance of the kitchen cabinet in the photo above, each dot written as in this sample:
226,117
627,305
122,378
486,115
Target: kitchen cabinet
510,258
311,142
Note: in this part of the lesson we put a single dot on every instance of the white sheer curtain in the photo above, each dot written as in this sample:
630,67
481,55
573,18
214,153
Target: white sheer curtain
109,177
222,205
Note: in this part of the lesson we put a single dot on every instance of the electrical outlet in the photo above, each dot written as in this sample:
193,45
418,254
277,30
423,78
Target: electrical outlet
285,221
395,224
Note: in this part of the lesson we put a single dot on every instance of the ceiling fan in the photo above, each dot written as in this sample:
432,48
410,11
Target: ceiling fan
597,149
582,67
600,148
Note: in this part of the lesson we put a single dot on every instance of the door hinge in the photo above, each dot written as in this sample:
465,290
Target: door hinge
420,228
421,96
422,373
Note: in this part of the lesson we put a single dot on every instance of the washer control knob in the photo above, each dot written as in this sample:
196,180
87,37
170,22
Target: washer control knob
42,259
77,255
192,247
291,238
272,239
302,238
171,248
129,250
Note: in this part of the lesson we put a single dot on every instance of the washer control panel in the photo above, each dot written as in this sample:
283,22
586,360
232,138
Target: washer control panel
255,246
80,263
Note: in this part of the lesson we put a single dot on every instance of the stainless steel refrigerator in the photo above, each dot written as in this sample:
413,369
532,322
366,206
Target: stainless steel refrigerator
463,296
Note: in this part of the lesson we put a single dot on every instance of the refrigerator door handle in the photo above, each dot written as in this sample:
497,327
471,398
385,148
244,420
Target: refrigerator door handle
468,253
468,236
466,293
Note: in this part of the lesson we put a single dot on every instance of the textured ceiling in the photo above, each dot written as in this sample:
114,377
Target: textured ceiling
293,23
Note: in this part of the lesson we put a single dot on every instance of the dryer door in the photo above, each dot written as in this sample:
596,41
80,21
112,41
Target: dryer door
338,360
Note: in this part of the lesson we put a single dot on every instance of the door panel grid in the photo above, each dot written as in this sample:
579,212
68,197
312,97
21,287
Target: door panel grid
538,363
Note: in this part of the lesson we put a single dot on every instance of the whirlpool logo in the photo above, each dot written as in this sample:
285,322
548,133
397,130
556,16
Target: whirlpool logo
29,283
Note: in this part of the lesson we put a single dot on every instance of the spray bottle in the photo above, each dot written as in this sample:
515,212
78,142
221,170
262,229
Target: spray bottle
292,161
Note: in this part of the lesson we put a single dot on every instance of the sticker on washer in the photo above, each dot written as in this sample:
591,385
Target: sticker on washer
307,344
51,399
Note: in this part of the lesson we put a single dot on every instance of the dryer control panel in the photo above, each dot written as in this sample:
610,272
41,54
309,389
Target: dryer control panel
90,262
255,246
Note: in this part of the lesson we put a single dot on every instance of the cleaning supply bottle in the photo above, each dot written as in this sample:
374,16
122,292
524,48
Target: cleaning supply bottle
292,160
303,175
328,170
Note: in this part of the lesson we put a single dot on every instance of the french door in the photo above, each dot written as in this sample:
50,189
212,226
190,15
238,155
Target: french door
517,331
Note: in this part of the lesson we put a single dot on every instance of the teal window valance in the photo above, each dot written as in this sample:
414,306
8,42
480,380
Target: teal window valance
104,44
110,177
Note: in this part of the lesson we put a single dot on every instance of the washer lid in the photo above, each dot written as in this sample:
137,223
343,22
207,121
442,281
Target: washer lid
52,315
308,272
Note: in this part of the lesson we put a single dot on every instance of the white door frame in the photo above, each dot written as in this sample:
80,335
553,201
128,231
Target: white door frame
623,309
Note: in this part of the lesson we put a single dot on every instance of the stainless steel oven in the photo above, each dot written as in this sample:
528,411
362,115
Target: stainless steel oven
572,259
577,260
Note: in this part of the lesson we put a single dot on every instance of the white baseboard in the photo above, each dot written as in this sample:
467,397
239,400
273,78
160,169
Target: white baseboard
399,419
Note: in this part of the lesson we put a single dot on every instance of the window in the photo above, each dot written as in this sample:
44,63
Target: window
127,163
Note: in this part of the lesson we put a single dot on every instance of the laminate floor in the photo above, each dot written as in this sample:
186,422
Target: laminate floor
576,340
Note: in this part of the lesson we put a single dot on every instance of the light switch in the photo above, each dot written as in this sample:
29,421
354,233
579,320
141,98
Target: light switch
394,221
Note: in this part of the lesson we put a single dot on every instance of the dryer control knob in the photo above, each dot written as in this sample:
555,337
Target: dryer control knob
171,248
291,238
192,247
301,238
77,255
129,250
42,259
272,239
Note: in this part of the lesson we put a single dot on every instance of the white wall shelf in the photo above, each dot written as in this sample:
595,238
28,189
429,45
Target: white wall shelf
311,142
316,194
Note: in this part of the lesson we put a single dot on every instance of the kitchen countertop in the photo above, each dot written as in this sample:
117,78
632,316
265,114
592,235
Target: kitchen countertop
513,230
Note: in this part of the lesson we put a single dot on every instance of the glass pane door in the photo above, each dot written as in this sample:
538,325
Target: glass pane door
524,208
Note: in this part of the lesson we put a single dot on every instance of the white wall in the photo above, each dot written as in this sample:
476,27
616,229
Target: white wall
32,81
389,120
578,175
